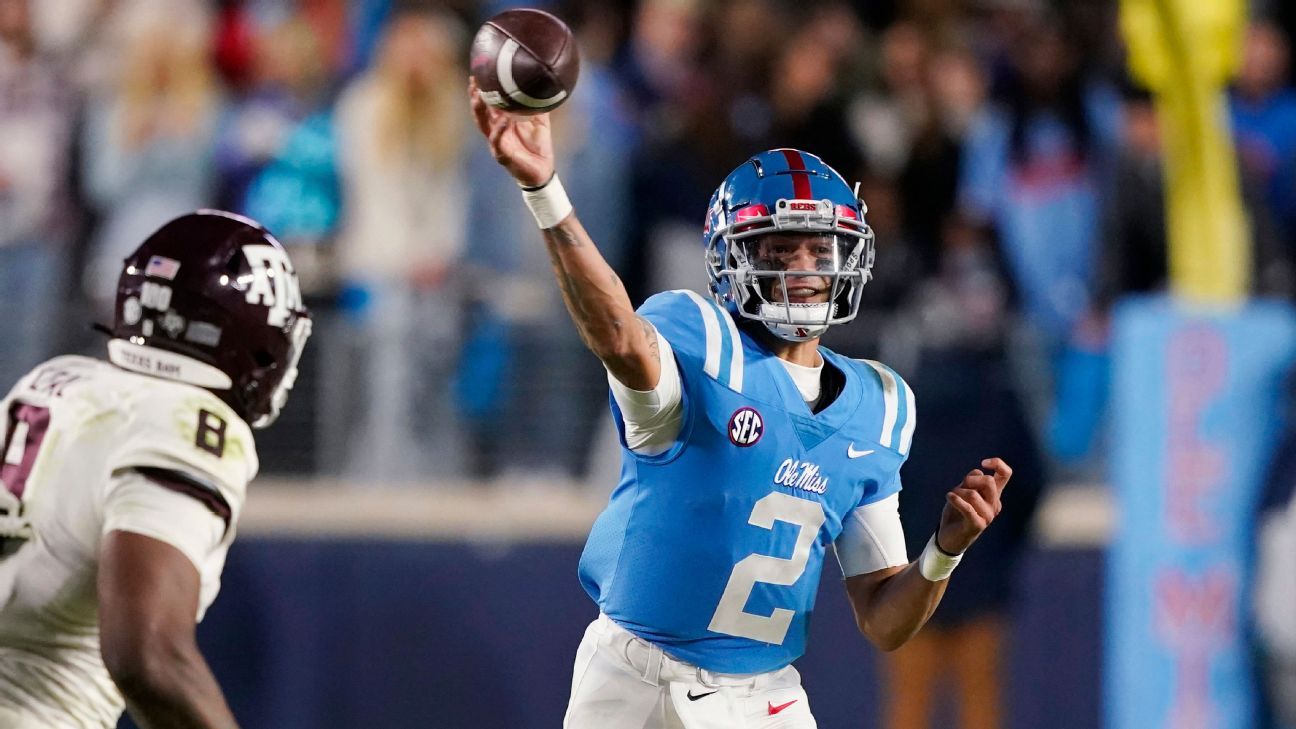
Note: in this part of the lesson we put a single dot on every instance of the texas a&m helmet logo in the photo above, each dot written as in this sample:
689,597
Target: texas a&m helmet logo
274,283
746,426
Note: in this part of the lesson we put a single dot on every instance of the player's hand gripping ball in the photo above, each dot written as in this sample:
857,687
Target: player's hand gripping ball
525,61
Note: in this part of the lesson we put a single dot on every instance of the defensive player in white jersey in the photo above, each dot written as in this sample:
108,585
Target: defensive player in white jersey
122,481
747,450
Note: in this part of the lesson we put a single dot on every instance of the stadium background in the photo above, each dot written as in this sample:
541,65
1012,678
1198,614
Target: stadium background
408,556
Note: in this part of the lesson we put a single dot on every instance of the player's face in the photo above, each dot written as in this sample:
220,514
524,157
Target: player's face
801,254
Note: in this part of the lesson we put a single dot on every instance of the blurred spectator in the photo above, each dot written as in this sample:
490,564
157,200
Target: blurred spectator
1134,239
887,119
401,132
807,105
928,182
276,146
912,127
1134,256
705,84
235,45
689,141
896,268
955,329
746,38
1033,173
148,137
659,61
1263,107
35,129
63,26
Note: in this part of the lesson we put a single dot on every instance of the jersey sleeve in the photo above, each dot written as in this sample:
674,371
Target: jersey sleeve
983,166
191,443
149,505
139,504
702,334
652,418
892,423
872,538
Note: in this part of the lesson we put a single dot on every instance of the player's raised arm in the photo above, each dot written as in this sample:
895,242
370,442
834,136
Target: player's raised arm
148,597
891,605
595,296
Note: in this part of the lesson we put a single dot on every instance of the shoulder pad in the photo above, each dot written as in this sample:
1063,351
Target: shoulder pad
899,416
701,332
187,430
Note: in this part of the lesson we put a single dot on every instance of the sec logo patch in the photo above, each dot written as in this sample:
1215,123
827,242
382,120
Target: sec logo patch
746,426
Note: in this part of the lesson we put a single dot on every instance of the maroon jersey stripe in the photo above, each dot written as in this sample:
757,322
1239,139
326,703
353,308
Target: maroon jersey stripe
33,421
184,484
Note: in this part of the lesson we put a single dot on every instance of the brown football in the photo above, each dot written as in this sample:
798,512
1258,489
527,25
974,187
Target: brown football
525,61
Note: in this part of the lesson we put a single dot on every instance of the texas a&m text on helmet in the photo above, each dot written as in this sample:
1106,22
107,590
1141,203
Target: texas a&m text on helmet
212,300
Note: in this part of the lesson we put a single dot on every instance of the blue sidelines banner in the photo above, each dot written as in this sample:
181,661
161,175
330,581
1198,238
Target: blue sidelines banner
1194,402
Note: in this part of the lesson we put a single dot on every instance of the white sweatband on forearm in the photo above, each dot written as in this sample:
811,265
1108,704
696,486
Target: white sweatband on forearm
548,202
936,564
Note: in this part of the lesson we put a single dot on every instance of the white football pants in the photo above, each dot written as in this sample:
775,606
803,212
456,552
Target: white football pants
624,682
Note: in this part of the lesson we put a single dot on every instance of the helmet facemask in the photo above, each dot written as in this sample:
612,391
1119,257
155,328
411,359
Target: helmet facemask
751,263
301,330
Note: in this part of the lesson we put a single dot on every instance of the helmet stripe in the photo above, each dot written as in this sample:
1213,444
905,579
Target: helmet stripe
800,178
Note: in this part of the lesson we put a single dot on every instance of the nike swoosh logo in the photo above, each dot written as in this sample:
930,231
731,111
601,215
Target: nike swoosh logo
852,453
776,709
691,697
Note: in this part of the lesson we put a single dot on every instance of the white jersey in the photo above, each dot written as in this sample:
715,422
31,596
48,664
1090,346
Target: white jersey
87,448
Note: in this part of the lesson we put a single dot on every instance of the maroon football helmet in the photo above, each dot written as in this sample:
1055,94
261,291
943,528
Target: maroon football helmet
211,299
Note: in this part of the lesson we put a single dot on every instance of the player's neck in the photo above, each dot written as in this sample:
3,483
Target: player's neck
805,354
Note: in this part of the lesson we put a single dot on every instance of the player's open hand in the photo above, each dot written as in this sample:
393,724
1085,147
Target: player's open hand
522,144
972,505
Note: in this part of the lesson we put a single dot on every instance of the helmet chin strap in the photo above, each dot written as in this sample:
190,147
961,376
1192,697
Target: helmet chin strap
801,322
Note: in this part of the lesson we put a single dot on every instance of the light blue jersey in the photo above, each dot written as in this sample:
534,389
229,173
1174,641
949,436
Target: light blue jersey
713,549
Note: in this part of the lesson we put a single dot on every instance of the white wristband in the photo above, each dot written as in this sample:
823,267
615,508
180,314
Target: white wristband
548,203
935,564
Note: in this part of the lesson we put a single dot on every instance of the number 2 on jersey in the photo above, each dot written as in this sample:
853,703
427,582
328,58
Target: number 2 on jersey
729,617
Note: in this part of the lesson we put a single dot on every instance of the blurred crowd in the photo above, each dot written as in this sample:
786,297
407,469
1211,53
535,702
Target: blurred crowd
1010,166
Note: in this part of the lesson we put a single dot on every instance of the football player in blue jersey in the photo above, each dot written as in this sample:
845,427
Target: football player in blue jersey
748,449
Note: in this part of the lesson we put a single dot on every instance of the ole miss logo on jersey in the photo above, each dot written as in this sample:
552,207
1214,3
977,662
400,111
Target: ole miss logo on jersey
746,426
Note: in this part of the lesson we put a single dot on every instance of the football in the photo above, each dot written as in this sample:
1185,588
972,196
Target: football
525,61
